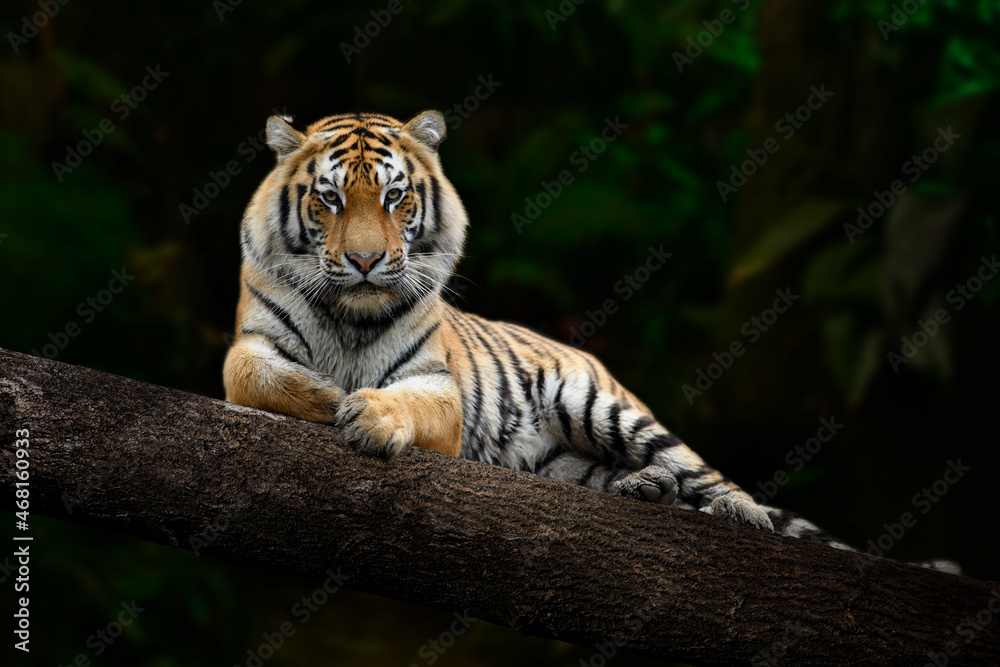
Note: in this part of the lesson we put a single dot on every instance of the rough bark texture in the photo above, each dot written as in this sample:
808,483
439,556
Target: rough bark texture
535,555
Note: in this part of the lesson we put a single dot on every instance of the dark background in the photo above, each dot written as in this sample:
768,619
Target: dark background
656,185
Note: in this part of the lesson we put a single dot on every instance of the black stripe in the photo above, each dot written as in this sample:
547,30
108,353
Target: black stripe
563,415
510,415
617,442
551,348
303,237
641,423
338,123
340,151
588,415
693,473
407,355
608,481
281,351
381,151
311,168
657,445
590,473
368,134
523,377
691,492
469,426
283,317
586,360
339,140
342,126
425,247
554,453
422,198
436,201
285,213
245,242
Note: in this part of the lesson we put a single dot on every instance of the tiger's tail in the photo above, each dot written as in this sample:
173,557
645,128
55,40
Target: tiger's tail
792,525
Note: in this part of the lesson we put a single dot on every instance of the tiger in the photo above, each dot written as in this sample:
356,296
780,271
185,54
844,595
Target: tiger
347,248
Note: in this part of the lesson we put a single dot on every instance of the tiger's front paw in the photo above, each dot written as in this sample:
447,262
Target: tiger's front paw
371,421
740,510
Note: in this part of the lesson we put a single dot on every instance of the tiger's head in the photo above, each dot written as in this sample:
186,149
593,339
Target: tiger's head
357,215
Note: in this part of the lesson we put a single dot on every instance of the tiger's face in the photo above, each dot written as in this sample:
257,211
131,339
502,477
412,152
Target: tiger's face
359,214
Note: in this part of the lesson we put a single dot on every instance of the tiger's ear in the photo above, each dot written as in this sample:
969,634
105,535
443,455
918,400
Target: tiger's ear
282,138
428,128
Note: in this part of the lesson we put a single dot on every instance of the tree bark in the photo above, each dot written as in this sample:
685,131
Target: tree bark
510,547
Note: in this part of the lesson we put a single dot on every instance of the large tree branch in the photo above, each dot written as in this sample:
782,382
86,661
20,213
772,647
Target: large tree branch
526,552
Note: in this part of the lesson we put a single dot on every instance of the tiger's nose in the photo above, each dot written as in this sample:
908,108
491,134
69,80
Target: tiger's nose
364,263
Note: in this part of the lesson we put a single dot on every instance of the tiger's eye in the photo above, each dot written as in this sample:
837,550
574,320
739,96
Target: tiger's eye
330,197
394,194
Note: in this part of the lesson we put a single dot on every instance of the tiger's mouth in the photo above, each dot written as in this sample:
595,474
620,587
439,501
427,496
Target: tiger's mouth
374,296
368,298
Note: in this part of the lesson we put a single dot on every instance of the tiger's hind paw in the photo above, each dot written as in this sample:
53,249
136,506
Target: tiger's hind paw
740,510
653,484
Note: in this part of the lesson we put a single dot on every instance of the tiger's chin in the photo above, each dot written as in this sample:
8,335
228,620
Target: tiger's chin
366,300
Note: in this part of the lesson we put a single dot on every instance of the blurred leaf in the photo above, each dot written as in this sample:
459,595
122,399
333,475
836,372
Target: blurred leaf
827,269
856,356
918,231
786,235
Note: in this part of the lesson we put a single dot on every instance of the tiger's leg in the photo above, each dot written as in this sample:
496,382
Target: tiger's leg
260,374
606,427
655,484
652,484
